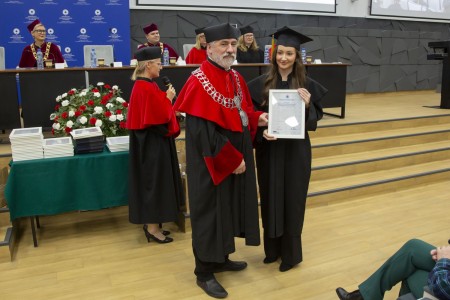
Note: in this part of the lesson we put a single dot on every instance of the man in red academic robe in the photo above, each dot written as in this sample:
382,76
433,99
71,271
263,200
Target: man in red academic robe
153,40
50,51
220,123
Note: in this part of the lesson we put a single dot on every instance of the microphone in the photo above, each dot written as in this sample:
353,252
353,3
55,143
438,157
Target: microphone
168,84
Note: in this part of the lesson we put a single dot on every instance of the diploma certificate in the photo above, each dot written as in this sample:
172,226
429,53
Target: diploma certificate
286,114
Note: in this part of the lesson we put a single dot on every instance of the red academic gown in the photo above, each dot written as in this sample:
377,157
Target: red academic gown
222,205
155,190
172,52
196,56
27,60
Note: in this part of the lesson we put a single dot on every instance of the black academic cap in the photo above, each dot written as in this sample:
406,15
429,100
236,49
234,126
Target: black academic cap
148,53
290,37
246,29
221,32
199,30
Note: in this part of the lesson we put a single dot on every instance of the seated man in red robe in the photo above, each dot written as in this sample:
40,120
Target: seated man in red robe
153,40
50,51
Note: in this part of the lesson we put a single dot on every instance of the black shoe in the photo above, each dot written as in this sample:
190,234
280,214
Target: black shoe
344,295
150,236
213,288
230,265
165,232
285,267
269,260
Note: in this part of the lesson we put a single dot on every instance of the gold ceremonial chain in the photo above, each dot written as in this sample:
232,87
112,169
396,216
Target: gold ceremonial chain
211,90
160,46
47,51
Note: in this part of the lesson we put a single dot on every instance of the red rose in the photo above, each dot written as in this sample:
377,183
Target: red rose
68,129
94,90
91,103
78,113
104,101
56,118
70,92
123,124
108,114
64,115
57,106
118,112
92,121
83,107
53,131
107,86
125,104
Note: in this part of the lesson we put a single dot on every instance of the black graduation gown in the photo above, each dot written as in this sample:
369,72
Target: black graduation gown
224,211
250,56
155,189
284,170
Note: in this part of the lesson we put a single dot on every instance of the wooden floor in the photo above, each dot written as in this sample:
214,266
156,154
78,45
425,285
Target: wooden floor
99,255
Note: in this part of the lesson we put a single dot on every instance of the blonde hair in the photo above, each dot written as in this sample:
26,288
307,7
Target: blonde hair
139,70
241,44
198,45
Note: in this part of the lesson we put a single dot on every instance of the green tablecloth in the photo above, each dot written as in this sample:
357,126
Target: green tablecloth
56,185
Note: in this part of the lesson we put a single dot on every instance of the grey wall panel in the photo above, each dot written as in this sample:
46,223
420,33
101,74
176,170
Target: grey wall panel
386,55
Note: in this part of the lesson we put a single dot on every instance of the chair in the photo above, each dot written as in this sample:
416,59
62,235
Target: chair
101,51
187,48
427,295
2,58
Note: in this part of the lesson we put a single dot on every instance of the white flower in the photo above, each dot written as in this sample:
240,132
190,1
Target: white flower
109,105
100,83
74,90
82,94
52,116
98,110
69,124
98,123
56,126
113,118
120,117
64,95
115,87
65,103
58,98
120,99
97,94
71,113
83,120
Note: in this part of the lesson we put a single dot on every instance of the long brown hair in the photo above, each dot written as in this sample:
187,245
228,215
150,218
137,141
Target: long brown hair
298,75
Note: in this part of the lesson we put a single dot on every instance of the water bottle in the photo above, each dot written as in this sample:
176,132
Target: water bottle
93,58
39,59
166,57
303,52
266,55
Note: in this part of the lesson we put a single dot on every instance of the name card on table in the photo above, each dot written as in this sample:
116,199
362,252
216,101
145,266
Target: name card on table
117,64
59,65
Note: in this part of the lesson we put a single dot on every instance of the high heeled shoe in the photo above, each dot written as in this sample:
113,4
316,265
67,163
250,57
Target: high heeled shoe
150,236
165,232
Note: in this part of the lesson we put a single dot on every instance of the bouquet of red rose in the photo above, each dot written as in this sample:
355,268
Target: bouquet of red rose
99,106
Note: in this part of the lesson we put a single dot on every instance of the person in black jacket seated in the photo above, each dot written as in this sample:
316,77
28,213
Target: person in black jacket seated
248,50
284,165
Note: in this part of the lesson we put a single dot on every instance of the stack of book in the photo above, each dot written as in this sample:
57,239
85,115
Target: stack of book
26,143
118,143
57,147
88,140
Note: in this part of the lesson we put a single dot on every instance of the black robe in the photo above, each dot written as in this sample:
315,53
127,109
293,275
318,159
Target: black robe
284,170
250,56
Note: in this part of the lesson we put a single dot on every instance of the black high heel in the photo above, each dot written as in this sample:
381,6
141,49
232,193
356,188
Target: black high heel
165,232
150,236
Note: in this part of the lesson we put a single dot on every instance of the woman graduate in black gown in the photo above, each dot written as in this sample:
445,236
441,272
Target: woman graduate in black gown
155,193
284,165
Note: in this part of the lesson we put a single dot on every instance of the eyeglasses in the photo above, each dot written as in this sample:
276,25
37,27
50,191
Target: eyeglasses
40,31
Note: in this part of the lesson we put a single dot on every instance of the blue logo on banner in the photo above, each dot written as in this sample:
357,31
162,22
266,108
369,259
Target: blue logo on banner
69,25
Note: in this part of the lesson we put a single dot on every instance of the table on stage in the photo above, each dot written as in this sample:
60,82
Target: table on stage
39,88
57,185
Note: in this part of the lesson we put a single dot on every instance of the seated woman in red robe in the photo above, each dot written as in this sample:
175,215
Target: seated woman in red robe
197,55
50,51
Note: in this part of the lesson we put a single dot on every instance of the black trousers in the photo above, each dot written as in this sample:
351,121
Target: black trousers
204,270
289,248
